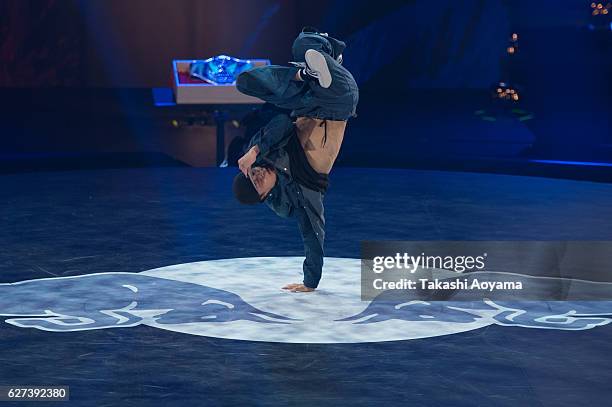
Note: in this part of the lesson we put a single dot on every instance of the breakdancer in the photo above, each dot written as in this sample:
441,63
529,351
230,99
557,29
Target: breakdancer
288,160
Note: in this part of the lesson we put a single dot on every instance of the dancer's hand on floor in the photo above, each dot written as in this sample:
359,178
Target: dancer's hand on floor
298,288
246,161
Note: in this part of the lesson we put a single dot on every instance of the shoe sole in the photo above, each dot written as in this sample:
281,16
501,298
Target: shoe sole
316,62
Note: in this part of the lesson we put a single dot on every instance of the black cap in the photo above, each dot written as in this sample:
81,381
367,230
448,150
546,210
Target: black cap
245,191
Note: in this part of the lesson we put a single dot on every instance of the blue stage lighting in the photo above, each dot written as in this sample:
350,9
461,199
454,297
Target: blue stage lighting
584,163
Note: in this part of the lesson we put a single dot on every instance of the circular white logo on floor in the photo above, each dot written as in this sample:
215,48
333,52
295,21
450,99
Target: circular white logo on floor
242,299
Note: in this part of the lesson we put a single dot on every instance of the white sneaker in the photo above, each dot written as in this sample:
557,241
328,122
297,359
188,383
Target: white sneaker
317,67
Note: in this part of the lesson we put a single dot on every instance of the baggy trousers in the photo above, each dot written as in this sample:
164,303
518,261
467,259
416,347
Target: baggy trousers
277,85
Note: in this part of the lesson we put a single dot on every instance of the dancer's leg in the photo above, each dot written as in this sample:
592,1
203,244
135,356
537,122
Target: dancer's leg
280,85
274,84
336,100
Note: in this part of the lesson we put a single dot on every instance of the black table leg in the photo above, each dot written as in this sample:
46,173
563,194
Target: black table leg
220,118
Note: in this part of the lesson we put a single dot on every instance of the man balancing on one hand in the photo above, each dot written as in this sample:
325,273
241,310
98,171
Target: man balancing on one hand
288,161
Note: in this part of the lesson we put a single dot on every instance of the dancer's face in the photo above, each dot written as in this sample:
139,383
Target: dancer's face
263,179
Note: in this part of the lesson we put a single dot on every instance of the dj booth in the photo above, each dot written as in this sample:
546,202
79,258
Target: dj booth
201,100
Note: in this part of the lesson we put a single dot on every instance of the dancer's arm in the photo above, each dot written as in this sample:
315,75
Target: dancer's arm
274,135
313,251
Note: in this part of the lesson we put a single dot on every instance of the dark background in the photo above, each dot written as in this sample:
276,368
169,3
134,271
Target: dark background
76,76
75,92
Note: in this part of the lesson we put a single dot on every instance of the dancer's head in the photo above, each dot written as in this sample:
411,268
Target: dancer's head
256,187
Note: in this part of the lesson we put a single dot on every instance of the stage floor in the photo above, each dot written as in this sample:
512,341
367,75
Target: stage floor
74,223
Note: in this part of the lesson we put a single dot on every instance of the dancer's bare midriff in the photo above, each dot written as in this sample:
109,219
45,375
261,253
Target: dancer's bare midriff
321,152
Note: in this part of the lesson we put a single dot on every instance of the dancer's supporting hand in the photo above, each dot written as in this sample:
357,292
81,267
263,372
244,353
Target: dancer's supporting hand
298,288
247,160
